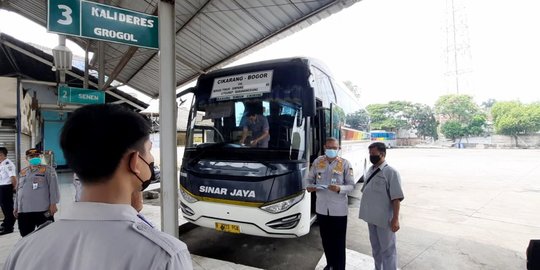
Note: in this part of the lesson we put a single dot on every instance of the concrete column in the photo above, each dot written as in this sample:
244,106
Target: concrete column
167,118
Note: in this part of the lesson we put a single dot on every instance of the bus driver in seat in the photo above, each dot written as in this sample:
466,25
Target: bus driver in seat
257,123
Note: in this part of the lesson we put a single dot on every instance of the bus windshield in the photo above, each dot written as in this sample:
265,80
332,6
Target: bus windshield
244,123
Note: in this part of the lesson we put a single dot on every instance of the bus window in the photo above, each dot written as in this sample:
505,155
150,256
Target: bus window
240,111
338,120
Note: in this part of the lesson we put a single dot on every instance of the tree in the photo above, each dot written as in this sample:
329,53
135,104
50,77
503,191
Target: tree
463,117
358,120
476,126
457,107
424,122
386,116
513,118
397,115
488,104
453,129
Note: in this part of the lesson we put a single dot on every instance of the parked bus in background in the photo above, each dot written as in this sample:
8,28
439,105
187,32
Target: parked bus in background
387,137
252,188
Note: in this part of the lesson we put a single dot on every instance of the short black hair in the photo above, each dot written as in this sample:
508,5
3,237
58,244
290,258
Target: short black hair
95,137
331,139
381,147
3,150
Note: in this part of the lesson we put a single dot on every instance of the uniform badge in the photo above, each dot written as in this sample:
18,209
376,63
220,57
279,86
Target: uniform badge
339,167
351,173
321,165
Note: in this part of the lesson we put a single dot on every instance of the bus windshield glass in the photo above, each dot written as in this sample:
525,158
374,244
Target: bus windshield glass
256,123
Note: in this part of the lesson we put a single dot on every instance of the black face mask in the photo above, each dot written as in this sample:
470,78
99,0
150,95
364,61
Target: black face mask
374,159
146,183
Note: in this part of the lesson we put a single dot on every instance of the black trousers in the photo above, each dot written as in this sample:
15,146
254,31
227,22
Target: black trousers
28,222
6,203
333,233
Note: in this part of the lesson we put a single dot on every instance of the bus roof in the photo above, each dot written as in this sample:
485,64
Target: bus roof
268,64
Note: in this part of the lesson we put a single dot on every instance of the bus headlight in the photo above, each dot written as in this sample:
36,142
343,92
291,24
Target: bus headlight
187,196
282,206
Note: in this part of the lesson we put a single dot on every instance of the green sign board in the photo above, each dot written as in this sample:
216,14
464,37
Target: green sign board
72,95
103,22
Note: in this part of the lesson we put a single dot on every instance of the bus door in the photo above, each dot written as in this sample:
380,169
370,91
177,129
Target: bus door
319,132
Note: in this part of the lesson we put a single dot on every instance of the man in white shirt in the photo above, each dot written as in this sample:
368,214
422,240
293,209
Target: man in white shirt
108,147
8,182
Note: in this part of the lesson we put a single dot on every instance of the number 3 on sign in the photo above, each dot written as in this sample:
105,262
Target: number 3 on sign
67,15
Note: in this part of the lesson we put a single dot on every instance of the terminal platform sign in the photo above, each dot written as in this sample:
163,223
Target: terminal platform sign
72,95
103,22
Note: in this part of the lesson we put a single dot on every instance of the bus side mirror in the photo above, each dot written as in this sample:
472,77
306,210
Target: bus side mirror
299,119
308,102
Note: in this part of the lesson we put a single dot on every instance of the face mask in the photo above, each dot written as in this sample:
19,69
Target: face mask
331,153
35,161
146,183
374,159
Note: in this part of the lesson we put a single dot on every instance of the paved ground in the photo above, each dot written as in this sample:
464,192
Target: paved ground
464,209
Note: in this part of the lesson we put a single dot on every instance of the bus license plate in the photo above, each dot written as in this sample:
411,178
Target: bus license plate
227,228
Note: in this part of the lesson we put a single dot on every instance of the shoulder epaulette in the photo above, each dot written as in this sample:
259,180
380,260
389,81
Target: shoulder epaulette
160,239
23,171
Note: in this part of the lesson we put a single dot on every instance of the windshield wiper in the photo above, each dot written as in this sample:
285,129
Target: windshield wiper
206,148
272,167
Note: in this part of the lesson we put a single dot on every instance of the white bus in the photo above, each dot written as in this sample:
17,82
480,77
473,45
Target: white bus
231,187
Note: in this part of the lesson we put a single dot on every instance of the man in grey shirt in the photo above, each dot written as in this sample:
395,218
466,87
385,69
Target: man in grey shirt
379,207
331,178
37,194
109,149
257,123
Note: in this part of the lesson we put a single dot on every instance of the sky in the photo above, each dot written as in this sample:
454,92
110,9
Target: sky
396,49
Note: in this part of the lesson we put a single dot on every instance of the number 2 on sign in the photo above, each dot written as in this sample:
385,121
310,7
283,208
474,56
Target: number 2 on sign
67,15
65,95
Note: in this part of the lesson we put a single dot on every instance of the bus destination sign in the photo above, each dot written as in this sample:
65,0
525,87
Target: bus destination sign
241,86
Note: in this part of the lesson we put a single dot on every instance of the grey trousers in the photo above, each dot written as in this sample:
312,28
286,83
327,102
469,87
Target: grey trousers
383,246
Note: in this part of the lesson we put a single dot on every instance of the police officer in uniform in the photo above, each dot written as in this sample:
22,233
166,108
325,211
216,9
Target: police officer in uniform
108,147
8,182
332,178
37,194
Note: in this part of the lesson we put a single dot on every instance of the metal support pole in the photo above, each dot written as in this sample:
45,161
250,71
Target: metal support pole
86,65
62,42
101,64
167,118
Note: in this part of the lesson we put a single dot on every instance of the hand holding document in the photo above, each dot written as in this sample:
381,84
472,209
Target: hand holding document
318,186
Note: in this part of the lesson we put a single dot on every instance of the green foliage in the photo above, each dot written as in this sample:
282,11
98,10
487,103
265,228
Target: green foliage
397,115
425,123
488,104
453,129
464,117
457,107
514,118
358,120
477,125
